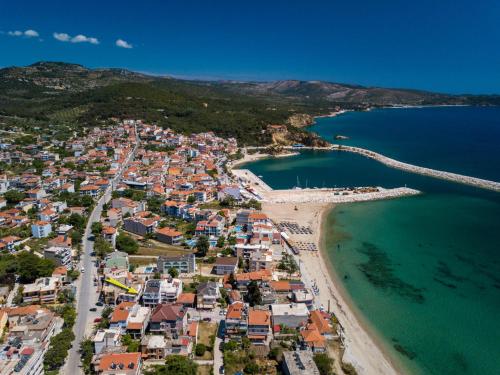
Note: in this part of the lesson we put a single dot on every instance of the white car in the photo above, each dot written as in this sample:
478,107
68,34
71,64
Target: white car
82,270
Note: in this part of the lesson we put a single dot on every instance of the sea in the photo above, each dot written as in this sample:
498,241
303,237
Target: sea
422,272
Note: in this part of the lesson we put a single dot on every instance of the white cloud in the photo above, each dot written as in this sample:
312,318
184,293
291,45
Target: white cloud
30,33
62,37
15,33
123,44
84,39
80,38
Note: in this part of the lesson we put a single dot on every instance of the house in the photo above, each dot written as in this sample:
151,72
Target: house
187,299
207,295
118,363
225,265
61,273
261,260
299,362
312,339
49,215
183,264
161,291
140,225
212,227
106,340
43,290
169,236
10,242
137,321
61,256
90,190
36,193
153,347
292,315
119,316
259,326
109,234
41,229
236,320
169,319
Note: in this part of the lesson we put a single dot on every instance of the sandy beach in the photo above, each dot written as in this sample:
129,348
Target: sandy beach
361,349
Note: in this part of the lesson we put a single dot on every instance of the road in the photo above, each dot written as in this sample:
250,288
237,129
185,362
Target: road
86,291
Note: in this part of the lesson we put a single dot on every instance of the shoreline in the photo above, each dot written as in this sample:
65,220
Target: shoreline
248,158
363,349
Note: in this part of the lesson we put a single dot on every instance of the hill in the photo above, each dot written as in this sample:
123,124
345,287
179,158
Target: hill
66,97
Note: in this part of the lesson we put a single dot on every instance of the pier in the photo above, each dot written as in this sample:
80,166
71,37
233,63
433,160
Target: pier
265,193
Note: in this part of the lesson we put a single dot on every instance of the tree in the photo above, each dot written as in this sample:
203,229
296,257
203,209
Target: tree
131,344
86,353
77,221
220,242
191,199
175,364
126,243
173,272
14,196
324,363
202,245
30,267
200,349
251,368
96,228
102,247
254,296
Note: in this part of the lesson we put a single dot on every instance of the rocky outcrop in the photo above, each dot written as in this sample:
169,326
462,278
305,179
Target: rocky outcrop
299,120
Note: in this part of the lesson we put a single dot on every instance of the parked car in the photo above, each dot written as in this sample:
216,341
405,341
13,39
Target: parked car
97,320
207,319
99,303
92,309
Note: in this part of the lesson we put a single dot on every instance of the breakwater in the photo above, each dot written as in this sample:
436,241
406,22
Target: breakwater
455,177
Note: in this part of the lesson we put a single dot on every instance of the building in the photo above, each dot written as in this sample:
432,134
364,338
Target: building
161,291
225,265
259,326
10,243
118,363
90,190
41,229
236,320
183,264
43,290
169,236
140,226
153,347
292,315
261,260
207,295
169,319
61,256
299,362
106,340
109,234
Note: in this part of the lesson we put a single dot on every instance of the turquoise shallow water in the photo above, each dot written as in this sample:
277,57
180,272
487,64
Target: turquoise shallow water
424,272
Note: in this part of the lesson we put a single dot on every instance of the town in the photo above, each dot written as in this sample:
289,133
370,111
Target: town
135,249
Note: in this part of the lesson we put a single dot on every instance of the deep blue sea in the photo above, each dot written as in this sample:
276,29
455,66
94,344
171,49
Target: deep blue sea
424,271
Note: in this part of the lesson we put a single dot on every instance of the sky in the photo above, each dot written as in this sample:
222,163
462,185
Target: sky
439,45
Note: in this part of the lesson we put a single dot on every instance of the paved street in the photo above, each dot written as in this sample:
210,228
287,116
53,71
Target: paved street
86,291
